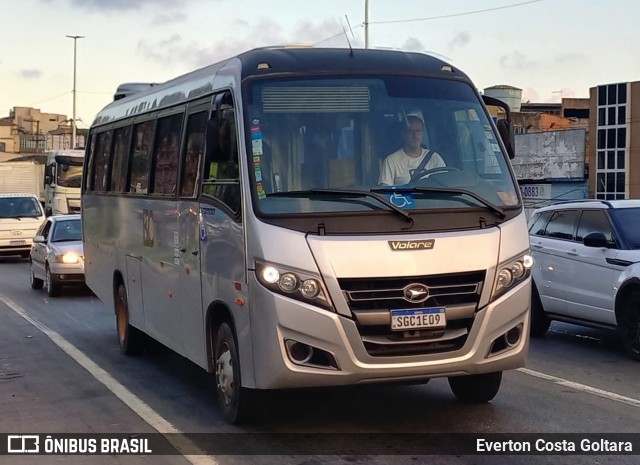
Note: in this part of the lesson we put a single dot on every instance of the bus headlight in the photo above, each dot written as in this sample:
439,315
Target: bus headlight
510,274
297,284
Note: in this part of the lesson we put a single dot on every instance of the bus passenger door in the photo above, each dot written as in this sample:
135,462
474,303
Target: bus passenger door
189,232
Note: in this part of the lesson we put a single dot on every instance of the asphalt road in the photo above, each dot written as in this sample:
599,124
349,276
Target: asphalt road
61,372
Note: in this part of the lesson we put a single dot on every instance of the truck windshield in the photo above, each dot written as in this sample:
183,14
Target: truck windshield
69,175
405,138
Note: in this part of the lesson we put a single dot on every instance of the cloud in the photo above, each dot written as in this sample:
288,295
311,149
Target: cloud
162,19
175,50
122,5
459,40
413,45
517,61
30,73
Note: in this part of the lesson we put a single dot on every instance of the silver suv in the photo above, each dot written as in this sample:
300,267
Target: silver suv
587,267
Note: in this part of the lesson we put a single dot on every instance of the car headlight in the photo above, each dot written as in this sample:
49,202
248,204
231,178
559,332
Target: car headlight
511,273
297,284
68,257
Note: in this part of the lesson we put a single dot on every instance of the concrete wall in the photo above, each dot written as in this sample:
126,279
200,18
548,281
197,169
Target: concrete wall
550,155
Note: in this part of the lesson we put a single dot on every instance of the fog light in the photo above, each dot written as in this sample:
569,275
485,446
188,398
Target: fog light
299,352
513,336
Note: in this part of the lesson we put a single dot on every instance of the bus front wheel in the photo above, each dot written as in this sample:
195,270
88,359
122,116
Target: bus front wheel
130,339
234,400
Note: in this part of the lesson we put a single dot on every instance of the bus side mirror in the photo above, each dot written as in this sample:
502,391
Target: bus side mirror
47,180
505,129
501,114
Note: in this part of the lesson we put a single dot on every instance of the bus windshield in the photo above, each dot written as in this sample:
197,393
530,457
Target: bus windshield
315,143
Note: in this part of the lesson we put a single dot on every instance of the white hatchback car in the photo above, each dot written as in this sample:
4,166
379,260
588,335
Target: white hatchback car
587,267
57,257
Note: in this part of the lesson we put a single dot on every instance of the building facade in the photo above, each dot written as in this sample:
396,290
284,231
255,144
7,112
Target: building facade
614,156
30,131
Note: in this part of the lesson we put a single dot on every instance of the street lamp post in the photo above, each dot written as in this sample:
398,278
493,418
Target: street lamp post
73,117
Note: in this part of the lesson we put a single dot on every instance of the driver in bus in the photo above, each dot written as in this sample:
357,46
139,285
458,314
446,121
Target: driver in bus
398,167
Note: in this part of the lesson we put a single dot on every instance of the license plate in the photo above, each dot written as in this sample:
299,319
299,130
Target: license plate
17,242
418,318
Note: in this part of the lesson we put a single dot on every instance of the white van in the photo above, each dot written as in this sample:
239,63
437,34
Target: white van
20,217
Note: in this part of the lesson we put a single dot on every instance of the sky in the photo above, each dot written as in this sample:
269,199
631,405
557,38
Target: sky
548,48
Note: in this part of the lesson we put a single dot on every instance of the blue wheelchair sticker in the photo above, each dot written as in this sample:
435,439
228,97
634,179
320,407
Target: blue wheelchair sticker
402,200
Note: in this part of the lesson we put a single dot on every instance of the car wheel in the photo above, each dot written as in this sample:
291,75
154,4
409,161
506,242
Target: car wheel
476,388
36,283
540,322
630,325
53,289
130,339
234,400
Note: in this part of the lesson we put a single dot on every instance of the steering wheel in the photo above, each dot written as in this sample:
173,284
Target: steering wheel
425,173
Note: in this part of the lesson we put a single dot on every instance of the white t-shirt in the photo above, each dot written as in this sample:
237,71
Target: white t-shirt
397,167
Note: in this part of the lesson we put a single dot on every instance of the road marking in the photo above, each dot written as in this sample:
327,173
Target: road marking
141,408
583,387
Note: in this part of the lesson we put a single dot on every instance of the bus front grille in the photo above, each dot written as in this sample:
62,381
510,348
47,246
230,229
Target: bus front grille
372,299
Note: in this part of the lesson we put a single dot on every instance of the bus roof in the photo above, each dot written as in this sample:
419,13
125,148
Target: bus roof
274,61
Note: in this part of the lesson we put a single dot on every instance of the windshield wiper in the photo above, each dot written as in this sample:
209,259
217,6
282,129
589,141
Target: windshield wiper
447,190
349,193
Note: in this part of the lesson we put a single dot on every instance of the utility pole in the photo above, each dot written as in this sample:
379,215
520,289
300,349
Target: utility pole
73,117
366,23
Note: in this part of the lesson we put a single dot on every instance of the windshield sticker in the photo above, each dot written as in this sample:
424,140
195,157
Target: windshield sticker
488,135
402,200
261,193
258,174
495,147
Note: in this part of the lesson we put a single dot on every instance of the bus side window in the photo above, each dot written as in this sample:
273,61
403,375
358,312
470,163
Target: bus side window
140,155
121,144
166,150
88,186
192,155
103,152
221,174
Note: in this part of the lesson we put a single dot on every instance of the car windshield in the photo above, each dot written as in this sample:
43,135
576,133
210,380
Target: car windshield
309,136
67,230
20,207
629,219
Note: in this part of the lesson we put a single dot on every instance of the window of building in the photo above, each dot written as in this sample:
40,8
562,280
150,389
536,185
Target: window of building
611,142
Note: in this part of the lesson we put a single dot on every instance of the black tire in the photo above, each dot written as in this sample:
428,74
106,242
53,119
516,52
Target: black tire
476,388
53,289
36,283
235,401
540,322
130,339
629,325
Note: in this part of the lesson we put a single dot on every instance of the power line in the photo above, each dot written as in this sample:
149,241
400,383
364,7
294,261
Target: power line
455,14
465,13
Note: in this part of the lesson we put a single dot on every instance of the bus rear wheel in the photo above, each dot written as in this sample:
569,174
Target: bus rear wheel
234,400
130,339
476,389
